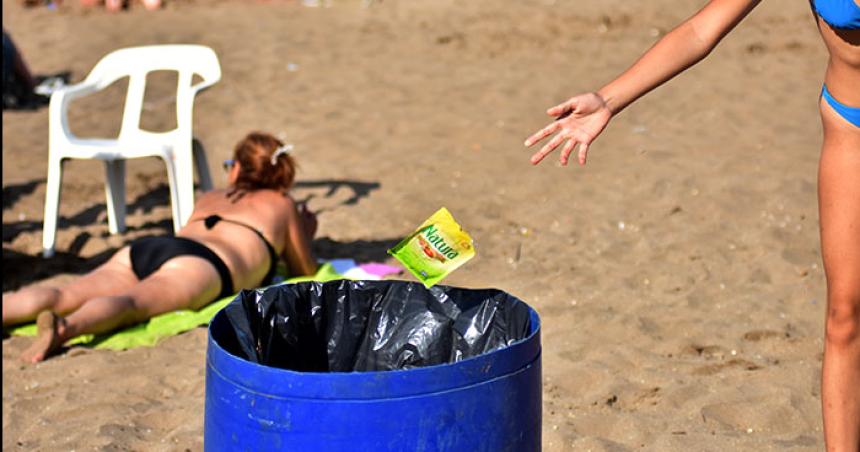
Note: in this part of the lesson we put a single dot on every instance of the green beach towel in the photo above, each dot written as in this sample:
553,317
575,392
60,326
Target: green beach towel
168,324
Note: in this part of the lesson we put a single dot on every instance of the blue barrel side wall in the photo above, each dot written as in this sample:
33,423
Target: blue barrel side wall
487,403
371,385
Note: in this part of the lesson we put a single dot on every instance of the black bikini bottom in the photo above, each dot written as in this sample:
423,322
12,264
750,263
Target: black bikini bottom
148,254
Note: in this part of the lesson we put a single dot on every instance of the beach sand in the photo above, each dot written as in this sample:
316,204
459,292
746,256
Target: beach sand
678,274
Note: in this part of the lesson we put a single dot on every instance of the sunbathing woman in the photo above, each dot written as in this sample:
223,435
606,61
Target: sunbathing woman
233,240
582,118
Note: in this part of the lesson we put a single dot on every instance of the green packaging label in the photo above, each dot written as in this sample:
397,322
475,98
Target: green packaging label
435,249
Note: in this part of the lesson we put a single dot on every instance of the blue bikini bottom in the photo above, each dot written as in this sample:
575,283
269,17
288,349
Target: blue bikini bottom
851,114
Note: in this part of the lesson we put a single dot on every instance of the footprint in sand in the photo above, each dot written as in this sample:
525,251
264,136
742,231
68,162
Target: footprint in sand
631,401
123,434
645,397
715,352
705,351
736,363
759,335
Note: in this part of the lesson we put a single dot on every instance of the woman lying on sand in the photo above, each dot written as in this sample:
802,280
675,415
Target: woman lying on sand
232,241
580,120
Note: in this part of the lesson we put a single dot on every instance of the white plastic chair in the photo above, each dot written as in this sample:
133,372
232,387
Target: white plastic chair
174,147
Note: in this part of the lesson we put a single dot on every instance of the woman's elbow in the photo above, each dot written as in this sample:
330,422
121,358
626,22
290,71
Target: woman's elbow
703,39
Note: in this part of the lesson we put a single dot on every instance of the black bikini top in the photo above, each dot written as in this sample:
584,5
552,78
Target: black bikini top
212,220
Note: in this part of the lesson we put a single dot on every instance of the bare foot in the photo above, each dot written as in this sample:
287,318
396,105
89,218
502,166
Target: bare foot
152,5
48,339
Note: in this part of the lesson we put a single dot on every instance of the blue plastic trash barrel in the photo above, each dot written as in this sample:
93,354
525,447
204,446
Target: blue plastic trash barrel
491,402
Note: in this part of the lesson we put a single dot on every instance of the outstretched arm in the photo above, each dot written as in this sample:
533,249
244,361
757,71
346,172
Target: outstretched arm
580,119
681,48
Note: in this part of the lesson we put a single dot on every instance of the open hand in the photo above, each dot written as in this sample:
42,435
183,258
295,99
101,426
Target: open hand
579,120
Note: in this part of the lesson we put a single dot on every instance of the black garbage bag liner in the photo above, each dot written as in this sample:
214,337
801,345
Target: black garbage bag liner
343,326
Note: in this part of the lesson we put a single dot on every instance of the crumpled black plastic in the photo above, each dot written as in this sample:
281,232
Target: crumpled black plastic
343,326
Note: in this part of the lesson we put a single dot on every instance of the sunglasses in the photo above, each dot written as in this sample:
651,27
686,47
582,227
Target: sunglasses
228,164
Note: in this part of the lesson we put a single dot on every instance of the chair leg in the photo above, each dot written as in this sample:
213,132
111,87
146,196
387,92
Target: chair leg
52,206
115,194
202,165
184,177
174,194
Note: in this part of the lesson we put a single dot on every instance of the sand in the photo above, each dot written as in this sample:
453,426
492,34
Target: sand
678,274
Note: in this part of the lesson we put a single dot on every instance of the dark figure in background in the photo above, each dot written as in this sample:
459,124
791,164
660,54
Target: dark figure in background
21,89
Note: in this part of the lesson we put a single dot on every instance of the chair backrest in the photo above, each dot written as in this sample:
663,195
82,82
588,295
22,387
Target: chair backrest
137,62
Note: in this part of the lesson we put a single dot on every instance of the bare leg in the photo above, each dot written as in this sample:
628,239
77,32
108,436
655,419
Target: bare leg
24,305
182,283
114,276
839,205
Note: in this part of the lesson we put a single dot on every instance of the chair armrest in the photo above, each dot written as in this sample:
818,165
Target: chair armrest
70,92
202,86
60,104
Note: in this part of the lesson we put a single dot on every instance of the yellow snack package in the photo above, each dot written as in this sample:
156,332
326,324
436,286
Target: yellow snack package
435,249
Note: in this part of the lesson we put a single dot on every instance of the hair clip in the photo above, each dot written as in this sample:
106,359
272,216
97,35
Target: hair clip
282,150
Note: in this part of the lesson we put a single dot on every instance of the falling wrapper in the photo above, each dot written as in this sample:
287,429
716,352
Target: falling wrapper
435,249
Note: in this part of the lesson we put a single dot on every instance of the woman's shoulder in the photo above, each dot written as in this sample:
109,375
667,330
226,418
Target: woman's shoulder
273,195
223,201
271,198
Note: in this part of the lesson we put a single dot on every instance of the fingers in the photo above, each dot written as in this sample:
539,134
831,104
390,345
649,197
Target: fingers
564,107
303,210
583,153
566,150
542,133
549,147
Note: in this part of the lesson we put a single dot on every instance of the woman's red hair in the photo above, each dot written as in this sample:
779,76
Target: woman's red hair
256,171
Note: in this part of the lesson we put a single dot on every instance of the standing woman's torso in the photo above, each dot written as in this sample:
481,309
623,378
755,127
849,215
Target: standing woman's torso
839,23
241,249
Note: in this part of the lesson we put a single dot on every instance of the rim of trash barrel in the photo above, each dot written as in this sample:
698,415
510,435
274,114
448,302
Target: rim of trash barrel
275,382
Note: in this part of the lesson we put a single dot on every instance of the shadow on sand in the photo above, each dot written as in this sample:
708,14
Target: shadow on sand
21,269
142,204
